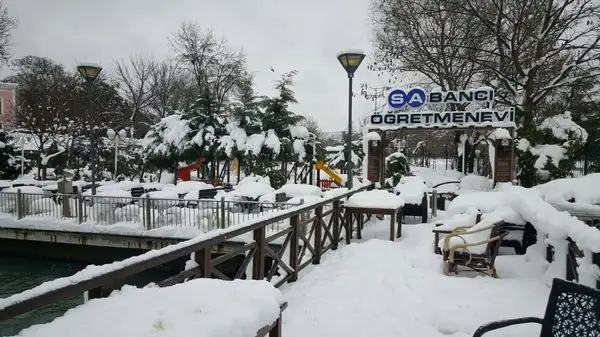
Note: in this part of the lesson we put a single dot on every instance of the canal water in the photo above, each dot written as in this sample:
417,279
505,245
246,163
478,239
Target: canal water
19,274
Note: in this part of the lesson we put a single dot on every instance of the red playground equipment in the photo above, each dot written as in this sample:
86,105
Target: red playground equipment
185,173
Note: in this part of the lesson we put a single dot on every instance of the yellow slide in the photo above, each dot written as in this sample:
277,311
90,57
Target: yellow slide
320,165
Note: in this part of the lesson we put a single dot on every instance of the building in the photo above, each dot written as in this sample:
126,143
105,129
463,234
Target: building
8,101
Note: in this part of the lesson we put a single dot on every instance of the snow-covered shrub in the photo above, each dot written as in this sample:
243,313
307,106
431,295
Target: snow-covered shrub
396,167
10,161
550,151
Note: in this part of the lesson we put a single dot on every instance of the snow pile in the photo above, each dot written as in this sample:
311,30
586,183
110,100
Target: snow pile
184,187
252,187
411,189
199,308
580,190
485,202
272,141
375,199
500,133
472,182
299,132
298,190
360,289
563,127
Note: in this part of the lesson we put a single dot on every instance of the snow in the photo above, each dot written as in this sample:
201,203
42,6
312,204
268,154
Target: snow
375,199
382,288
411,189
563,127
372,136
252,187
272,141
298,190
480,232
350,51
199,308
254,143
299,131
579,194
184,187
548,152
299,149
500,133
25,190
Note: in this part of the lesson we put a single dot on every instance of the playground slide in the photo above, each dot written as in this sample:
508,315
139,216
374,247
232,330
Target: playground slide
323,167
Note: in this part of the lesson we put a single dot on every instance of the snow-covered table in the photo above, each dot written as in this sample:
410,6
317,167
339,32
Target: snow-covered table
367,203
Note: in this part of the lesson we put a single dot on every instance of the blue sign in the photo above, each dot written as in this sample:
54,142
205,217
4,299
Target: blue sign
415,98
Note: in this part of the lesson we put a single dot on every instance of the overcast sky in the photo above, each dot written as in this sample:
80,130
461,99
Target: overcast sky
285,34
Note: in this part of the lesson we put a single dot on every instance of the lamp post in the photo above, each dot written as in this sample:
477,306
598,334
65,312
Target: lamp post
24,140
90,71
350,60
115,137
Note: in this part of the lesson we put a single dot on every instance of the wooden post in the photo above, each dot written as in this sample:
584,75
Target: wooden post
258,262
392,219
348,225
319,179
318,235
237,168
204,259
276,330
336,224
228,171
294,243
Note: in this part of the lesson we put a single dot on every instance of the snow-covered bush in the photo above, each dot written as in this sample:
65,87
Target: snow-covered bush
10,161
549,152
396,167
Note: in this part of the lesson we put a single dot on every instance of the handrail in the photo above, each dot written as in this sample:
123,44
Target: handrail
87,279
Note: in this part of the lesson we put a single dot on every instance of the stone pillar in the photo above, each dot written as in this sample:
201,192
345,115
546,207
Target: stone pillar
65,189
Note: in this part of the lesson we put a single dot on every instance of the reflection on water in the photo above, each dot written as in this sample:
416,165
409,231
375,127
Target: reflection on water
19,274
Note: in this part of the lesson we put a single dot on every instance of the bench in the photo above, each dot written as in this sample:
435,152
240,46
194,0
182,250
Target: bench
573,310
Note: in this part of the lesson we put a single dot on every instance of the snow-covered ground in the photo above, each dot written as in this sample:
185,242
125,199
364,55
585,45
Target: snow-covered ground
381,288
371,287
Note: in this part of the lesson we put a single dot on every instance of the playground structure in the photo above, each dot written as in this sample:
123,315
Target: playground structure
221,172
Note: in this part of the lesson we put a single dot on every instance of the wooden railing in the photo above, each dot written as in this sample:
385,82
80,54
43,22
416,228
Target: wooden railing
314,229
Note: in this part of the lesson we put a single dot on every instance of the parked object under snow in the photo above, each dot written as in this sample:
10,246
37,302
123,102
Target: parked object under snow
375,199
411,189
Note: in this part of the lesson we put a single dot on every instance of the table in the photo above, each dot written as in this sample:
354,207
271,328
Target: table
358,212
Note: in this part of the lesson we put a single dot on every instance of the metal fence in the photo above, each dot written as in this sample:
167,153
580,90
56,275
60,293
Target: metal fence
143,212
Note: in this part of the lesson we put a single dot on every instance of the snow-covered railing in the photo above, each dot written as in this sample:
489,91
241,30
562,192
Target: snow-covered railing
145,212
302,243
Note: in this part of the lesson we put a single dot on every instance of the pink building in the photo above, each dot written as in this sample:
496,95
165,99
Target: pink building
8,100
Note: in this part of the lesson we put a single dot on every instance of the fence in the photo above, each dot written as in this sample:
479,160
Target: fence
148,213
304,242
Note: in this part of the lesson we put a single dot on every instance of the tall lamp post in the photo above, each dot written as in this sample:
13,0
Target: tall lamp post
90,71
350,60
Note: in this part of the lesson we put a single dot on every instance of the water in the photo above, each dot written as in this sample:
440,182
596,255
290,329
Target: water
19,274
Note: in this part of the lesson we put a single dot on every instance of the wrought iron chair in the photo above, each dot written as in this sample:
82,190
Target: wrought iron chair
573,310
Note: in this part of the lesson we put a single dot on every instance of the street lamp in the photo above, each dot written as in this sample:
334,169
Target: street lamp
25,139
90,71
350,60
115,137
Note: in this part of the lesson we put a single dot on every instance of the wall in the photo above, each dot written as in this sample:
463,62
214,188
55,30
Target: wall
8,96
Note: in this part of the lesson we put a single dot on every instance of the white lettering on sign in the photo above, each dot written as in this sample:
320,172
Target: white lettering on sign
435,118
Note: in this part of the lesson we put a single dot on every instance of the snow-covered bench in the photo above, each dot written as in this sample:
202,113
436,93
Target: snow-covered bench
474,247
198,308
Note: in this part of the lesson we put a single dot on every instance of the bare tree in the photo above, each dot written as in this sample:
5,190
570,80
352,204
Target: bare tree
135,77
215,66
7,24
539,46
427,37
170,90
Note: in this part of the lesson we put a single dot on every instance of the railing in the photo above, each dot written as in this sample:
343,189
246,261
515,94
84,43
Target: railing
303,243
145,212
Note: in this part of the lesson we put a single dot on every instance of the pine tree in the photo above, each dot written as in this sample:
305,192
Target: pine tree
10,162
